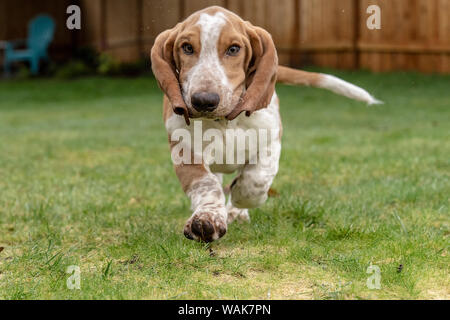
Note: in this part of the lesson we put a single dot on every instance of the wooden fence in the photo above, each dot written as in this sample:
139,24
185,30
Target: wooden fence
414,34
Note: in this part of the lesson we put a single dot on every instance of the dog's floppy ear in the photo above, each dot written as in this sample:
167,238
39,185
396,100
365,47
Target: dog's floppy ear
261,74
164,69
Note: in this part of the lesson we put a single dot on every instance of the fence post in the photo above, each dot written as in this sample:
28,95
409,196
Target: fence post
140,25
356,33
295,54
182,9
103,39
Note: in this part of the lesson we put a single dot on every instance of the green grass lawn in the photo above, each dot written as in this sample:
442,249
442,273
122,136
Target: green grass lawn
86,179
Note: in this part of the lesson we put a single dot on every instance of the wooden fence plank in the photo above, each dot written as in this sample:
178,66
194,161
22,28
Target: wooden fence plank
122,29
190,6
91,23
158,15
4,18
280,20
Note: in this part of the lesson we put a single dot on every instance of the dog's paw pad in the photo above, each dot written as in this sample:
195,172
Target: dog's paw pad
204,227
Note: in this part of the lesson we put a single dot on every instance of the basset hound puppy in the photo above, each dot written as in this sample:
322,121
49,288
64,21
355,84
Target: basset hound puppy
218,73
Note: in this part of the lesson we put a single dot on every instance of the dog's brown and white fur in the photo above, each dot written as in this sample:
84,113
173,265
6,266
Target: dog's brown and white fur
195,57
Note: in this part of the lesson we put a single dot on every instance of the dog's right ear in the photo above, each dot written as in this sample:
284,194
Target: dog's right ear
164,69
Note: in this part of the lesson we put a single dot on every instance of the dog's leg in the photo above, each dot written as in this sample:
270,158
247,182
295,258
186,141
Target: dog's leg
233,212
209,219
236,213
219,177
251,186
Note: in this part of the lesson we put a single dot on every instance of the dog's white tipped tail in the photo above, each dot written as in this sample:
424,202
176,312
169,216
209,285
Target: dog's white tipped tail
346,89
319,80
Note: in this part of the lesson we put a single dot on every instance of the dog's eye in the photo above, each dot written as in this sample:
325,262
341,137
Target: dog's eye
187,49
233,50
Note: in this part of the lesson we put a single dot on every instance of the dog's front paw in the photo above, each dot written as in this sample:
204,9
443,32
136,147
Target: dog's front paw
205,227
240,215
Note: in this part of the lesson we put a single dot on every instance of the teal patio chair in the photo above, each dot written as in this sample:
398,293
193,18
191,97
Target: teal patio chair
40,33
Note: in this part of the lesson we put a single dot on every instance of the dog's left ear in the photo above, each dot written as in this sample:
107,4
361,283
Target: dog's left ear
261,72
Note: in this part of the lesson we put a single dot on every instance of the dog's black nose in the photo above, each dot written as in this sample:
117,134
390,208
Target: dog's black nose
205,101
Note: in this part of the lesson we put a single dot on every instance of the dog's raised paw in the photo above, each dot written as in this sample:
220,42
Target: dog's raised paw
205,227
